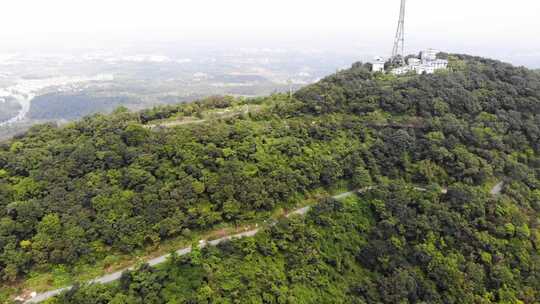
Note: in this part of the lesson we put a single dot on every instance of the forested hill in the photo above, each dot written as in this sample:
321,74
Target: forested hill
477,86
75,195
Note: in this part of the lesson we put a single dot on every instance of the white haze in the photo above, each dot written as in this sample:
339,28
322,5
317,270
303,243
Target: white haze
499,28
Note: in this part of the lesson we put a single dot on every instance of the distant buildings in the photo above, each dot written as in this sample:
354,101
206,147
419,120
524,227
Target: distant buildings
428,63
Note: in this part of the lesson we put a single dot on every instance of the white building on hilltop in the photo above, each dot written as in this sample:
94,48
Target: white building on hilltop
427,63
429,55
377,65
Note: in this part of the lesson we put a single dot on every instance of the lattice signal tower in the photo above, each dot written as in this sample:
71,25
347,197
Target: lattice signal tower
398,52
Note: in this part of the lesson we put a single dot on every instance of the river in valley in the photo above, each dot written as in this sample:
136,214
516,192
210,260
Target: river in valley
26,89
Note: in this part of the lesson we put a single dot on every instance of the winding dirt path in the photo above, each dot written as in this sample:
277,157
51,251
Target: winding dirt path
497,189
161,259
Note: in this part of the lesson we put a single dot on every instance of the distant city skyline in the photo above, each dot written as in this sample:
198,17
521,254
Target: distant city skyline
489,28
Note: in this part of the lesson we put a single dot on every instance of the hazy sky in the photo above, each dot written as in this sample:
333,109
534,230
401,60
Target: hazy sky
475,26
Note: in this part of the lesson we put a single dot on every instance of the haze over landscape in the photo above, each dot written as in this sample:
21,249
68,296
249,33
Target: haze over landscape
158,152
493,28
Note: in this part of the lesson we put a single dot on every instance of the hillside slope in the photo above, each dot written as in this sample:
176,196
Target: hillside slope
392,245
73,195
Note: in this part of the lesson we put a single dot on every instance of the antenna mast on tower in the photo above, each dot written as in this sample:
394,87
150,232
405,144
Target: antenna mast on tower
398,52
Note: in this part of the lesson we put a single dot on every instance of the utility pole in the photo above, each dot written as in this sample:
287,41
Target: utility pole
289,82
398,52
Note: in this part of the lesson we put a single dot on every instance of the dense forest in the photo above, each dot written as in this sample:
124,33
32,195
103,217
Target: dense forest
109,183
394,245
